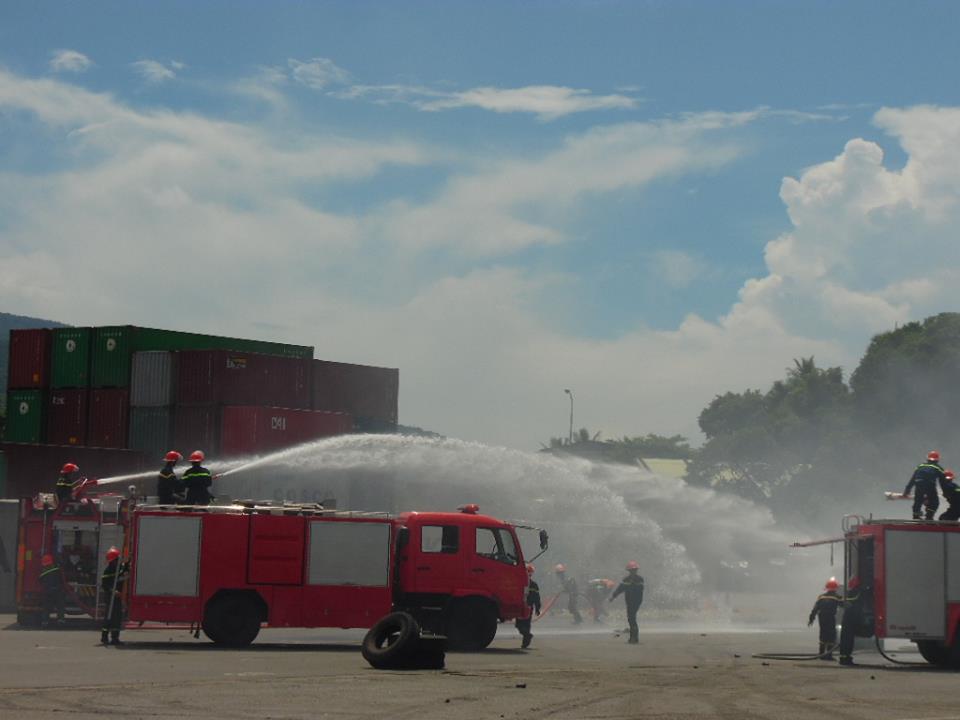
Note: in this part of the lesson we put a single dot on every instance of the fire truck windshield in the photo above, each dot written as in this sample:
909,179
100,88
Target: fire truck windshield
497,544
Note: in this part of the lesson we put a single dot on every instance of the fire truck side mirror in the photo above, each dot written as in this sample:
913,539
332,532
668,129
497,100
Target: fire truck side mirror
403,537
544,539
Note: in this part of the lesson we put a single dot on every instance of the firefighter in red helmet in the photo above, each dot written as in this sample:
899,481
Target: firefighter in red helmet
68,480
632,588
169,486
852,625
51,583
197,480
926,477
825,609
951,493
532,598
569,586
111,587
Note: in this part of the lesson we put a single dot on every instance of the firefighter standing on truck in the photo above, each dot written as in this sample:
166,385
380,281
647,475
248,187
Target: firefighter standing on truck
169,486
69,477
111,585
632,588
951,493
51,581
197,480
532,598
825,609
926,478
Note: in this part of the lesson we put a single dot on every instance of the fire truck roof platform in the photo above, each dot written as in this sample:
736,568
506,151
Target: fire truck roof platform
256,507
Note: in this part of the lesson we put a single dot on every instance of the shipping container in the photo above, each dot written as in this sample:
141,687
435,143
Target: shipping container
34,468
370,394
197,428
257,430
153,379
70,358
9,536
29,363
67,416
109,416
114,346
220,377
25,416
151,431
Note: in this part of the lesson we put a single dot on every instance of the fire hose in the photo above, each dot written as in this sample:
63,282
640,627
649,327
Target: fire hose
546,607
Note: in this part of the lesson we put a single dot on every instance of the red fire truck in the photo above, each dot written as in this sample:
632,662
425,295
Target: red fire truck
231,569
909,573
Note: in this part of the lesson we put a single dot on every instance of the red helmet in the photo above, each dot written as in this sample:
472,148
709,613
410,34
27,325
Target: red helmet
196,456
68,468
853,583
46,560
832,584
560,567
633,565
173,456
948,474
530,569
933,456
112,554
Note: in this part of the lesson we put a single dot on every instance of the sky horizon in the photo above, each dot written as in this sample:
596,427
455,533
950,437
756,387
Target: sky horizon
650,203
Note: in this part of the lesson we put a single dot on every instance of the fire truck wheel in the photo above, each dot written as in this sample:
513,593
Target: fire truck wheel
392,642
231,620
936,653
28,619
472,625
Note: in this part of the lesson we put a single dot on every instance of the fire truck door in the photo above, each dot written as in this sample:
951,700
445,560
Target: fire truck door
436,559
493,563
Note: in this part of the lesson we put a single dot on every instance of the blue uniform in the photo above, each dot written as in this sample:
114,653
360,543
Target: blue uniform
925,478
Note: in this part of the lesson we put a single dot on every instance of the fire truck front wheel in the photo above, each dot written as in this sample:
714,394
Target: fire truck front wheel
936,653
471,624
232,619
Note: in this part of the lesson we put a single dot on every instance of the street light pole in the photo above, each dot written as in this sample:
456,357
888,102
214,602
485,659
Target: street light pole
570,436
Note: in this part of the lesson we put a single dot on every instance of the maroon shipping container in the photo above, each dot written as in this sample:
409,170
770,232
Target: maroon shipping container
67,417
221,377
34,468
29,366
368,393
256,430
109,413
197,428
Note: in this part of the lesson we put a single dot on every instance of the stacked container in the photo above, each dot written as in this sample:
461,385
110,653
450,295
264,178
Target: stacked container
369,394
152,395
255,430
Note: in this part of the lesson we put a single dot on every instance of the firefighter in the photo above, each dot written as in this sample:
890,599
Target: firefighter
852,619
951,493
111,585
569,586
169,486
197,480
597,591
826,610
925,478
532,598
632,588
68,480
51,581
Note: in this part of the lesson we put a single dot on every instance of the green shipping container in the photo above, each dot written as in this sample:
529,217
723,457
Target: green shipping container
71,358
3,474
25,410
113,349
151,430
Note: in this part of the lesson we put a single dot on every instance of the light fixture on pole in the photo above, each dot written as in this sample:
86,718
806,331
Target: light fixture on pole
570,436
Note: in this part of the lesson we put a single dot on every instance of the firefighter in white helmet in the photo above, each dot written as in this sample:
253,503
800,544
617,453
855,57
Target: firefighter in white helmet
632,588
197,480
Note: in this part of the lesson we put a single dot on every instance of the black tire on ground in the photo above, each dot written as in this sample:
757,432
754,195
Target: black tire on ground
392,641
232,620
471,625
29,619
936,653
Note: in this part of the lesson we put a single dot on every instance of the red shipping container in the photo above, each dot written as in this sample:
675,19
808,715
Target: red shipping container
29,366
256,430
222,377
109,413
67,417
34,468
197,428
363,391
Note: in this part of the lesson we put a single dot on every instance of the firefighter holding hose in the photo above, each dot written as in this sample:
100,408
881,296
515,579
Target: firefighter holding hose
825,609
111,584
169,486
925,478
69,479
852,619
197,480
951,493
632,588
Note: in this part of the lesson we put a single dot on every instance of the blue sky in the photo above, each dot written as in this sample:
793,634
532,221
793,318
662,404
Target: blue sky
651,202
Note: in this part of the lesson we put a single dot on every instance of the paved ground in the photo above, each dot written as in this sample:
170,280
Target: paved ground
671,675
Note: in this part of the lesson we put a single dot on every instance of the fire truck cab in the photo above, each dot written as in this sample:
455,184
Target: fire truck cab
231,569
910,574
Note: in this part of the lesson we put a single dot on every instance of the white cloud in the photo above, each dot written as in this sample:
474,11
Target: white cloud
69,61
156,72
318,73
676,268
